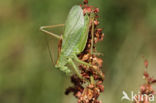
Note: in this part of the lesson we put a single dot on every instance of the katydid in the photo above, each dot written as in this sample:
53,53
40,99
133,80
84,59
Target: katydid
74,39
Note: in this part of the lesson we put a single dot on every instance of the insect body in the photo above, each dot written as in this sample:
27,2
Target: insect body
73,40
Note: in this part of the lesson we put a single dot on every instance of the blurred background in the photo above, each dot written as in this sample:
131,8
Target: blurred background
27,74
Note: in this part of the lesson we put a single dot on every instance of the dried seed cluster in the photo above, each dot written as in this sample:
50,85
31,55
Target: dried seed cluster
146,88
89,89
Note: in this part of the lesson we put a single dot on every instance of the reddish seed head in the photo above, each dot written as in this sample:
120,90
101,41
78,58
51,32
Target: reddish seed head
99,61
99,82
99,30
146,74
96,22
87,10
78,94
96,10
101,87
153,81
142,88
91,86
147,87
146,63
85,1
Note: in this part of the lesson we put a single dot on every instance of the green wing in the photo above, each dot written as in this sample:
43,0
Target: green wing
84,36
75,28
74,22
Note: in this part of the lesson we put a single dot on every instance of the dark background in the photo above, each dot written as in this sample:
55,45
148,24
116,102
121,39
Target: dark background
27,74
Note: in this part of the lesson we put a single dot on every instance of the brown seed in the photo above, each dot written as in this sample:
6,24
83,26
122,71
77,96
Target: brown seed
78,94
90,94
96,22
85,57
91,86
96,10
101,87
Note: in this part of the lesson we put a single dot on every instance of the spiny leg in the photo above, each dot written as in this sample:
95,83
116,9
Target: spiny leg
42,28
87,64
75,68
82,62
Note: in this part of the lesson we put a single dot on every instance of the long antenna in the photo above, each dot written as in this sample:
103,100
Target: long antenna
51,56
